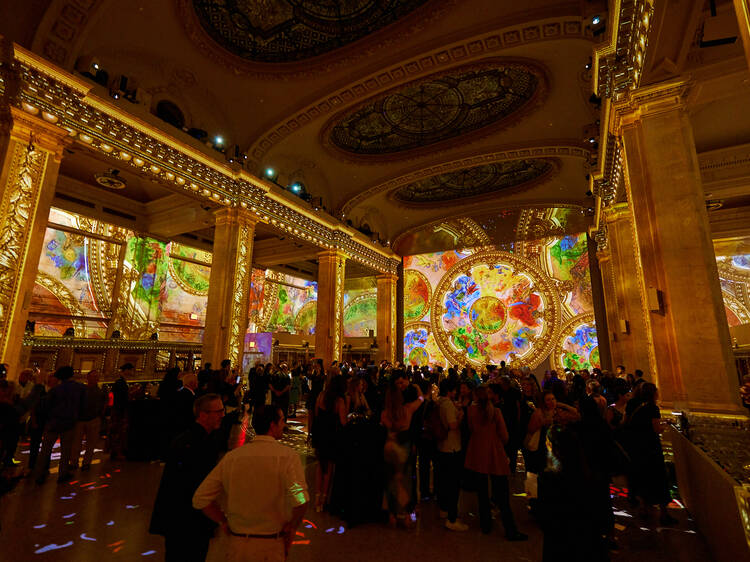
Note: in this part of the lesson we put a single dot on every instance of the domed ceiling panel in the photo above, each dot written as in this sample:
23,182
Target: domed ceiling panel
278,31
438,108
477,181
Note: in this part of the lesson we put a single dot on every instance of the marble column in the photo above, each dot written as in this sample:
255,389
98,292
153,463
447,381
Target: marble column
679,278
627,320
30,154
387,317
329,323
229,287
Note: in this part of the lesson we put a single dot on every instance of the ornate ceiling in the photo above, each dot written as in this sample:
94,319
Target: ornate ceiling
279,31
482,180
438,108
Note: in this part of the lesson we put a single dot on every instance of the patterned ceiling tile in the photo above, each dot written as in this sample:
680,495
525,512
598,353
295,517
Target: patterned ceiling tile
277,31
476,181
437,108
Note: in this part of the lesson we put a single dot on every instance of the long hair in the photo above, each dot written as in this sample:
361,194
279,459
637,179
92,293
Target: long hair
484,404
394,403
335,389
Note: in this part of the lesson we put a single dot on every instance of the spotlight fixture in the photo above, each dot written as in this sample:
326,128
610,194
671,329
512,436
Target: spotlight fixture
271,174
111,179
219,140
95,66
296,187
596,20
592,140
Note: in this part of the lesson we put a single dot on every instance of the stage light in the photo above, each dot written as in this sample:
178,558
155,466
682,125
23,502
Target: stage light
218,140
592,140
296,187
596,20
95,66
270,172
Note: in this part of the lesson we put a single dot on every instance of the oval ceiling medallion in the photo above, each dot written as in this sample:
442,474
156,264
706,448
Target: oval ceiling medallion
279,31
473,182
437,108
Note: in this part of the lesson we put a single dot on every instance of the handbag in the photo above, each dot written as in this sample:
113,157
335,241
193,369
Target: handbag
531,442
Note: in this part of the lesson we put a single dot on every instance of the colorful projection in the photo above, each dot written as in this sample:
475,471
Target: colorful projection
733,262
289,303
486,305
360,307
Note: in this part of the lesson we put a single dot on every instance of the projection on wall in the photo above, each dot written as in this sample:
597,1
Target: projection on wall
527,305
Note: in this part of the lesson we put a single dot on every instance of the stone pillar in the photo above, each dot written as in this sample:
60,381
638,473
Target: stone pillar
627,320
229,287
399,345
387,317
742,11
680,281
30,154
329,323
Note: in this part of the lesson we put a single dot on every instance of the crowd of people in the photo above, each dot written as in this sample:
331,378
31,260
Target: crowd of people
386,438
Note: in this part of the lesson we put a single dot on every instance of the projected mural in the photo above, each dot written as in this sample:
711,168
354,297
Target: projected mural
486,305
733,261
360,307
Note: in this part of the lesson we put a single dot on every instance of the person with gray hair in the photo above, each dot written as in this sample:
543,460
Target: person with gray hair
191,456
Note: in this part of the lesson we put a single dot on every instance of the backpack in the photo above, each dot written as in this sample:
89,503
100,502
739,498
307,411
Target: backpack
434,428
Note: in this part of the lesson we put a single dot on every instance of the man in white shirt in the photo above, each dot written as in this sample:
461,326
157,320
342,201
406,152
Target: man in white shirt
266,493
450,460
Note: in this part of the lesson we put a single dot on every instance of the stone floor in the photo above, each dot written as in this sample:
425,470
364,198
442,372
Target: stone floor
105,512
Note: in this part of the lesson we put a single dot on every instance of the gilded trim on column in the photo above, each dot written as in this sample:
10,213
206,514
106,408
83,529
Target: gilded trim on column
241,290
66,298
338,307
639,272
20,198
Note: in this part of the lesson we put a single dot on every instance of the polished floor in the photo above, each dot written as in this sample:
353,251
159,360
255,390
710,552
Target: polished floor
103,514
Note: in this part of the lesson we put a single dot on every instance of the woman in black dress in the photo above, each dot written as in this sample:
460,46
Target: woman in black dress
649,473
330,417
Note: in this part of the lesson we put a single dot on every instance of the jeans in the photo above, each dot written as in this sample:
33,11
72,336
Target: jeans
90,429
449,483
501,498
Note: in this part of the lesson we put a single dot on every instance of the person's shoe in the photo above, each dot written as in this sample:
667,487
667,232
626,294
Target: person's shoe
64,478
667,520
517,536
456,526
85,467
443,514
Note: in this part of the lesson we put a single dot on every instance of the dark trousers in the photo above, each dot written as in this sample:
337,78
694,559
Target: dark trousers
185,547
511,449
35,442
426,454
449,483
500,497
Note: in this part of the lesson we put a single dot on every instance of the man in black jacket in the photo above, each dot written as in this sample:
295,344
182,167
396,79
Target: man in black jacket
192,455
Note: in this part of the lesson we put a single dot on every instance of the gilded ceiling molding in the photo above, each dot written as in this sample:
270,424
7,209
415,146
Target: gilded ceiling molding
538,171
394,107
66,103
473,232
443,57
61,30
737,306
387,37
569,148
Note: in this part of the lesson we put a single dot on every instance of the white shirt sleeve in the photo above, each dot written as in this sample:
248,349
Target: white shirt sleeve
210,488
295,483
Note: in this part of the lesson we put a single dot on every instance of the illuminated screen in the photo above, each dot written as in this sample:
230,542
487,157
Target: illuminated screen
524,305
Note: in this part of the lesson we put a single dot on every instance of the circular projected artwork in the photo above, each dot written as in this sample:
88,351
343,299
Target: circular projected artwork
191,277
415,343
577,346
360,316
304,323
492,307
416,295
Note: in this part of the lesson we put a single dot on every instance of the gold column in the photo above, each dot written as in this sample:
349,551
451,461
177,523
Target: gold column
387,318
117,312
229,287
679,279
742,11
30,155
329,322
630,344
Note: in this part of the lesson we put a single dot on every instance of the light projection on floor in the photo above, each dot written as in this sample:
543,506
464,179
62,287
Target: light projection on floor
485,305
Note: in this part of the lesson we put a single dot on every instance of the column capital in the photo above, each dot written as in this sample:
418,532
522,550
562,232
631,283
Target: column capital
392,277
235,215
27,127
649,100
616,212
331,254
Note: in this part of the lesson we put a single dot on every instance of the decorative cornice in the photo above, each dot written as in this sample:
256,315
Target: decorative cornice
574,149
444,57
66,104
